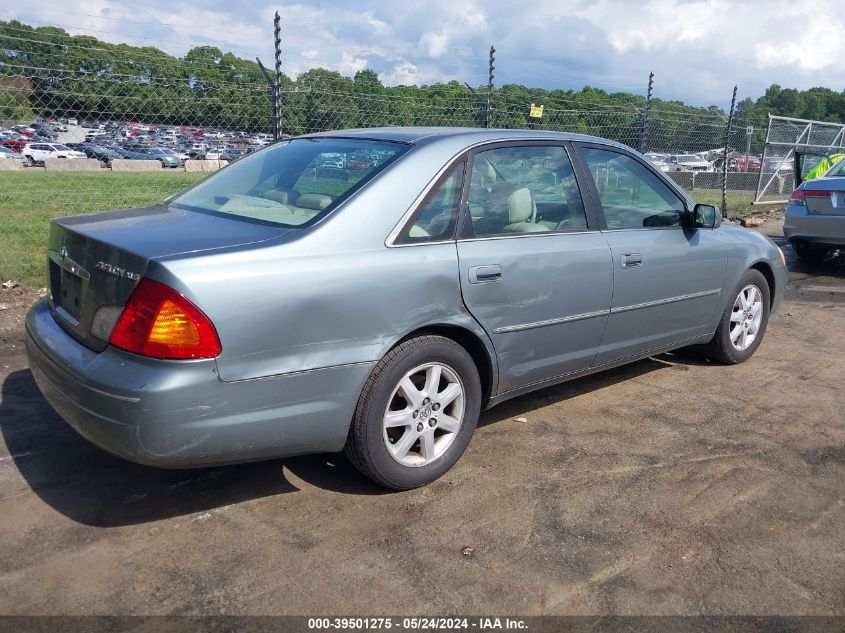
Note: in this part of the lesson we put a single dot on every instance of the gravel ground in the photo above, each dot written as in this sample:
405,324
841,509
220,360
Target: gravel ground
670,486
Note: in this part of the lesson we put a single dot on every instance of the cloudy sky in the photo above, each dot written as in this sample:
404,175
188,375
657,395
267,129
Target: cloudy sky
698,49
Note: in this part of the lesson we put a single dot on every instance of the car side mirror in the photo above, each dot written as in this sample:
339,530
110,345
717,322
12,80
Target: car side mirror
706,216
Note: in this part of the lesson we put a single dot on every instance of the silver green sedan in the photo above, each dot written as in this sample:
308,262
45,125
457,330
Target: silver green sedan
372,291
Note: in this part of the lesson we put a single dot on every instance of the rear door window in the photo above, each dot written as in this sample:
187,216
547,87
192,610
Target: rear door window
514,190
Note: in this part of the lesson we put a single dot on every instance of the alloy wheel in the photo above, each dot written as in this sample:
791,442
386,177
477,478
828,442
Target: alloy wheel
424,414
746,317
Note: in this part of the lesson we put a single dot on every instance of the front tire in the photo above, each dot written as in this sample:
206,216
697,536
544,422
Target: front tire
416,413
744,321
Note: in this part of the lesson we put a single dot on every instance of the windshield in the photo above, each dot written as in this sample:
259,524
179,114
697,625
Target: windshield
294,182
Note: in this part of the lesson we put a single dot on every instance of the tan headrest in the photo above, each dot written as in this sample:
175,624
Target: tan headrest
520,206
313,201
285,197
491,173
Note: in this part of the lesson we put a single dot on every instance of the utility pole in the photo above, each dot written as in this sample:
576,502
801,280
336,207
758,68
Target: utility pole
725,157
488,110
277,104
644,131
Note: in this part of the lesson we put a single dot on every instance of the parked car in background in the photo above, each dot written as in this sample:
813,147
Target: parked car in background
231,154
94,135
44,131
102,154
168,157
37,153
268,311
754,163
658,160
688,162
142,152
196,150
9,154
778,164
814,222
16,145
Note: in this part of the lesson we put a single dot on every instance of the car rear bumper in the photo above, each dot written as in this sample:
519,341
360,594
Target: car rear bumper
813,228
179,414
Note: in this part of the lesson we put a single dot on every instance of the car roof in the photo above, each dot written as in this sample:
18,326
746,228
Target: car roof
468,136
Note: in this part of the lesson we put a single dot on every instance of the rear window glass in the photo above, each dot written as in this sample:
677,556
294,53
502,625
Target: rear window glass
295,182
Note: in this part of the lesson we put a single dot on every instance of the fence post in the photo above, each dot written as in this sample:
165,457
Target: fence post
274,97
488,109
277,101
725,157
759,193
644,130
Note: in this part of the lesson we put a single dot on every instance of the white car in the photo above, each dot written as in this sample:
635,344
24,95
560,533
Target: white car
688,162
39,152
658,160
213,153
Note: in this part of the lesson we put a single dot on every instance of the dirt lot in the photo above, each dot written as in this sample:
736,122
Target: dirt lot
671,486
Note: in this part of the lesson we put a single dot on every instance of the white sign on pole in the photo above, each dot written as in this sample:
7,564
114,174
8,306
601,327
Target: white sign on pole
749,130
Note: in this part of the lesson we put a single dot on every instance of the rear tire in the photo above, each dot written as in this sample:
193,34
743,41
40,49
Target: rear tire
744,321
416,413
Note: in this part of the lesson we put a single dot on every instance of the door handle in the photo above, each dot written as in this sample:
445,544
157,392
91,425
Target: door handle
632,260
485,274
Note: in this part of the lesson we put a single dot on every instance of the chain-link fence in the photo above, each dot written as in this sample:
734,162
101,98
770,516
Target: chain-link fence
86,125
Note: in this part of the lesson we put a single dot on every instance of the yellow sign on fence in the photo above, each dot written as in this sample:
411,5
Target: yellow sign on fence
536,111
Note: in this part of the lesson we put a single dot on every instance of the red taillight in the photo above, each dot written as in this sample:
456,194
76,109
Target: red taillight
817,193
159,322
797,197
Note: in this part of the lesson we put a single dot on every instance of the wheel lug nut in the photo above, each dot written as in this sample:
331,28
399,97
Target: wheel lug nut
419,427
426,400
415,414
436,406
432,421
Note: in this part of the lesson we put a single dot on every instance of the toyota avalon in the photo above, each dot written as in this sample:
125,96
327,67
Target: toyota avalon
371,291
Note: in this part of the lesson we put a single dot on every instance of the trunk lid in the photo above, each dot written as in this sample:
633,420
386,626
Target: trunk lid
95,261
825,196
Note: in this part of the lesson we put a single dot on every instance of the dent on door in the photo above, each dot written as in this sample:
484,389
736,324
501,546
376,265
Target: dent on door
544,303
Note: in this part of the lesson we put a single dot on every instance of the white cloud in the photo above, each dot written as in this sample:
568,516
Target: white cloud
353,63
435,44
